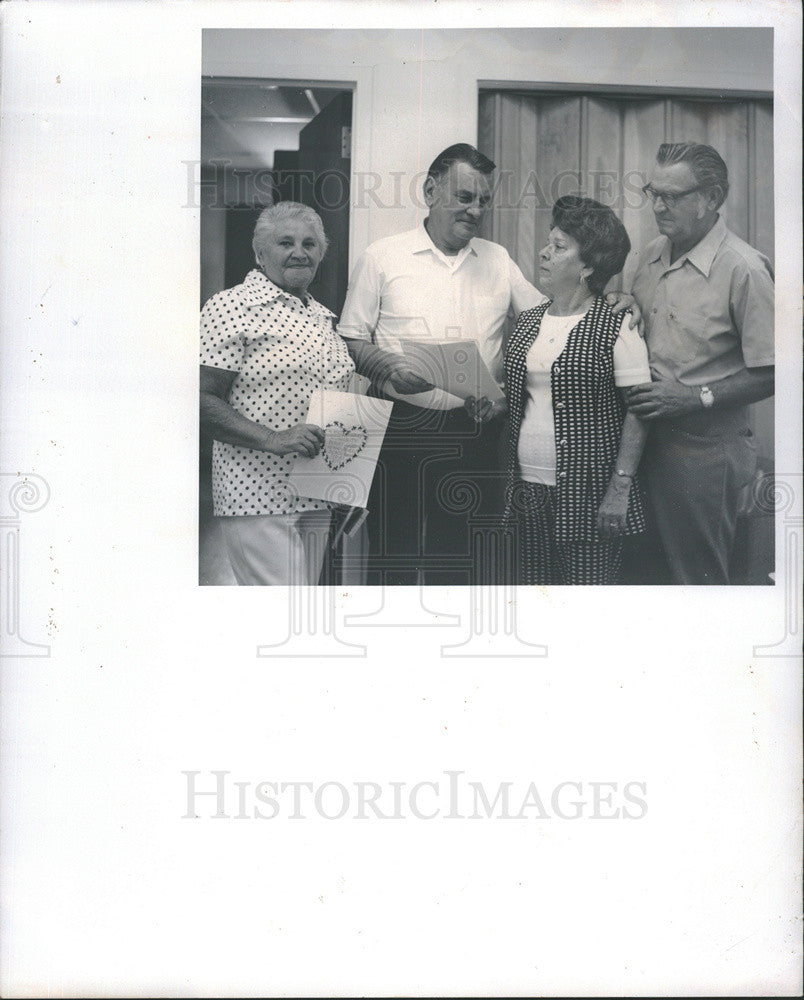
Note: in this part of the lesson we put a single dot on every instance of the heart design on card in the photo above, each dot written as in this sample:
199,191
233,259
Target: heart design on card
342,443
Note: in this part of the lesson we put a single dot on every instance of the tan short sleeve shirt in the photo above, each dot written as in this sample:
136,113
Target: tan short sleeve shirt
710,313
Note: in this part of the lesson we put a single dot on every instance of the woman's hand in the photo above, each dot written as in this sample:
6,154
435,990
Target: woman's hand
303,439
612,511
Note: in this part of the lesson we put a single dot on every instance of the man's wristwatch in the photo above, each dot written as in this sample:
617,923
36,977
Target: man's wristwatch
707,399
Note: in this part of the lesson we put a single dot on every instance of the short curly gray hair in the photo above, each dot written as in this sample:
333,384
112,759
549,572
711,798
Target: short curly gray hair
271,218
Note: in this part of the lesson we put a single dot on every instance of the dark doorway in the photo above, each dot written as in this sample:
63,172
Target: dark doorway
266,141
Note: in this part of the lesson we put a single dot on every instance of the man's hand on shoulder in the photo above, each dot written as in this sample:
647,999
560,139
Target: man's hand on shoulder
620,302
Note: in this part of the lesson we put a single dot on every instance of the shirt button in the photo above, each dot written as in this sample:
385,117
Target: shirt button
562,475
559,406
654,310
563,441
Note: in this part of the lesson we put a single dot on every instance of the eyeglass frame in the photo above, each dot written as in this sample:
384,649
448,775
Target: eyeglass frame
670,198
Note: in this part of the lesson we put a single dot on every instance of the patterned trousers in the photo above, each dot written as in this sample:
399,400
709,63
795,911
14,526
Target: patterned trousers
544,560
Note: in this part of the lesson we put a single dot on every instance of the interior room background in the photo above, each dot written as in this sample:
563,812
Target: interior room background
348,121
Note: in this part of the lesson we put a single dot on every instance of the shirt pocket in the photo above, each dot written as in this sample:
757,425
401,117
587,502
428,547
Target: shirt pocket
686,323
263,336
492,308
266,323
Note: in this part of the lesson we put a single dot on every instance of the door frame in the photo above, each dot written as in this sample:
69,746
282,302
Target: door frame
361,87
626,90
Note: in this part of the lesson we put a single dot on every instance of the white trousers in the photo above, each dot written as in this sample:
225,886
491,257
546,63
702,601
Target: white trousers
276,549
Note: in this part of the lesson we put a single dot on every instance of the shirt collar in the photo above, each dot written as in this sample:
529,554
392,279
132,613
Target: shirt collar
421,243
258,290
701,255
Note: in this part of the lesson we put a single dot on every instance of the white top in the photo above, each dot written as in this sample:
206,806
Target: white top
404,286
282,349
536,451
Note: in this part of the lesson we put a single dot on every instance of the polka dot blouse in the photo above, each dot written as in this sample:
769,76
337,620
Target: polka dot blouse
282,349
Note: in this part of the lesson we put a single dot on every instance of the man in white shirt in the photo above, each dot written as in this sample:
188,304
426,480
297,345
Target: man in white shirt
440,460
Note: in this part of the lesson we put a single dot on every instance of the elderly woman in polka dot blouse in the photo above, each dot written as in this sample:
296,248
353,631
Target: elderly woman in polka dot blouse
266,345
573,449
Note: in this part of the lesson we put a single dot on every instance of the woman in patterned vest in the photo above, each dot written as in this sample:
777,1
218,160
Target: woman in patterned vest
574,450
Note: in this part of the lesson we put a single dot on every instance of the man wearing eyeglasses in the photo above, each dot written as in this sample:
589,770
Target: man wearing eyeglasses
707,298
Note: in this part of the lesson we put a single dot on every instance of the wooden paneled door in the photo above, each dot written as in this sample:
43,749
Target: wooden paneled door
547,145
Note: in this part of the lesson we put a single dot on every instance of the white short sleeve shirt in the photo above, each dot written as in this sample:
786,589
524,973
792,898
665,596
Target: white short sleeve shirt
404,286
282,349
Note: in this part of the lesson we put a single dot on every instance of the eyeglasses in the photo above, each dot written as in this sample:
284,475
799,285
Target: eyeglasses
670,198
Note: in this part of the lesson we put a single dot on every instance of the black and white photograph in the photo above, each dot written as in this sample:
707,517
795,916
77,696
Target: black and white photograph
629,214
401,498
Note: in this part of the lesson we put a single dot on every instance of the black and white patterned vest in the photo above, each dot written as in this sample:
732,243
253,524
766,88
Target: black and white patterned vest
588,417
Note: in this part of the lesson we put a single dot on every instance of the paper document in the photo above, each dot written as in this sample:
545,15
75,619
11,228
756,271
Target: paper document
453,365
354,428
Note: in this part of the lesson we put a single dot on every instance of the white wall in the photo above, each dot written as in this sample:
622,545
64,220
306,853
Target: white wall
416,92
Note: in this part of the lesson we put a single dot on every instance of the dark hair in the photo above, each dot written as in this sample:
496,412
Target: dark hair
704,161
461,152
601,237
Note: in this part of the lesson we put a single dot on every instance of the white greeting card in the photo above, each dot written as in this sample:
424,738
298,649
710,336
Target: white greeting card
453,365
354,427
